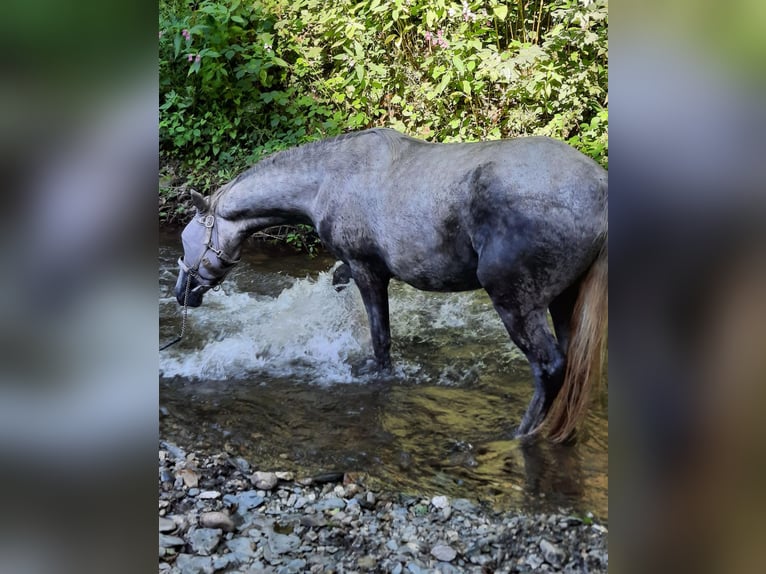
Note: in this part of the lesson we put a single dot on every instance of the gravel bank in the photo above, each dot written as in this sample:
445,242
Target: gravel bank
217,514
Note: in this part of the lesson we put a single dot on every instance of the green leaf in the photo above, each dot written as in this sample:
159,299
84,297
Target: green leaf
280,62
446,79
458,63
467,87
500,11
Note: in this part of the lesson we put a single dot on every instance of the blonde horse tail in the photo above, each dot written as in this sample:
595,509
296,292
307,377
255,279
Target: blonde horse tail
585,356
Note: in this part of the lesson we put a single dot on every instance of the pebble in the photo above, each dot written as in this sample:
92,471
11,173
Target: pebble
167,525
216,519
204,540
443,552
264,480
168,541
440,502
194,564
553,555
209,494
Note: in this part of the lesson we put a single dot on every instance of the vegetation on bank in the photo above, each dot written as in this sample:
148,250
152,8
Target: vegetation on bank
239,80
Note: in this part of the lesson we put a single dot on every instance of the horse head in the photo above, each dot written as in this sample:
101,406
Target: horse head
205,263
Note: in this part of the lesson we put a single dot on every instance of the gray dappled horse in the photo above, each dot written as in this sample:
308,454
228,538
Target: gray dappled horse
524,219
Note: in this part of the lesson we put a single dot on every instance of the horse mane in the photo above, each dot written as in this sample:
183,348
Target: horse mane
392,138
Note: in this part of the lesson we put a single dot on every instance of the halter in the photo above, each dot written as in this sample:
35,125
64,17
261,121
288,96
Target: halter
227,262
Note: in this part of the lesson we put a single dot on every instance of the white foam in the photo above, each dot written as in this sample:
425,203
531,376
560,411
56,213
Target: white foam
313,332
309,329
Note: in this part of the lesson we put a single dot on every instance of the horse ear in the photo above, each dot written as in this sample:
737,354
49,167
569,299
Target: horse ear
199,202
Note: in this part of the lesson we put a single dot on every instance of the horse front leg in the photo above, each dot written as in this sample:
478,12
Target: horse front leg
374,290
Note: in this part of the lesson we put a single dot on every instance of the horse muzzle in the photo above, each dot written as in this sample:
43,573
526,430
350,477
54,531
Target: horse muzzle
196,290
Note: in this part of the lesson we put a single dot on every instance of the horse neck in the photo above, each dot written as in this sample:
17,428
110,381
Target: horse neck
278,190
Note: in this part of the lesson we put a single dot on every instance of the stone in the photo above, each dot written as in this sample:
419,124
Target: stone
287,476
283,543
216,519
443,553
204,540
366,562
241,546
227,561
189,564
190,478
440,502
167,541
293,567
264,480
209,494
330,503
167,525
553,555
463,505
244,501
534,561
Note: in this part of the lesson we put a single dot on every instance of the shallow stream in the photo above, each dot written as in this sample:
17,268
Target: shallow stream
269,371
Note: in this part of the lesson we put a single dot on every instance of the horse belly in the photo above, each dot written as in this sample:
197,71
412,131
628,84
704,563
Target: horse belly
439,273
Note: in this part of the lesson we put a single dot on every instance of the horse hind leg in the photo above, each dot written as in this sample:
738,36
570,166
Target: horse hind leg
562,309
530,332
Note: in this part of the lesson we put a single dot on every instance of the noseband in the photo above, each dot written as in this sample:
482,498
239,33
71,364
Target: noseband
226,262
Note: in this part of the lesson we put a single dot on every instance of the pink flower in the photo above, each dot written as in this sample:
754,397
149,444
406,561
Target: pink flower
198,58
185,33
191,57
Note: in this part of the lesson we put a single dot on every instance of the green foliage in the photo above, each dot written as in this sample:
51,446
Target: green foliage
250,78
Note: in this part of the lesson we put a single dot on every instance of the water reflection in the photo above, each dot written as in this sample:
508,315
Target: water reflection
442,424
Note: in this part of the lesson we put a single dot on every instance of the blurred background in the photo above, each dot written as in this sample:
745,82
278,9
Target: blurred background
78,392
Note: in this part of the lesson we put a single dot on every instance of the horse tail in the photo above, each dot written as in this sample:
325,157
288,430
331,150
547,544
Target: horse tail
585,356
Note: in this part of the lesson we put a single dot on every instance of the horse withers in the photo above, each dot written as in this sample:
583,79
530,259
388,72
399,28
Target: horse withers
524,219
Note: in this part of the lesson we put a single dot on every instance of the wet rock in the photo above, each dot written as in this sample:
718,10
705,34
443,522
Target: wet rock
204,540
443,553
244,501
283,543
293,567
553,555
188,564
534,561
167,525
264,480
216,519
330,503
227,561
174,451
242,547
167,541
440,502
367,562
241,464
463,505
189,477
209,494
